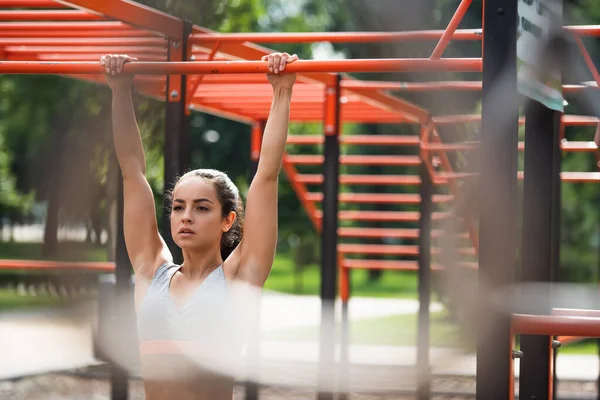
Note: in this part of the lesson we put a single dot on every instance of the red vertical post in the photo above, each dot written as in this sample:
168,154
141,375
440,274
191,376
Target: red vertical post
256,135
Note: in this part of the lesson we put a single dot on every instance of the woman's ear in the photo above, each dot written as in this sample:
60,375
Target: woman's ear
228,221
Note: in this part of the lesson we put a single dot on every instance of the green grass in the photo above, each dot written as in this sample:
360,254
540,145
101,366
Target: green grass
67,251
10,301
394,330
398,284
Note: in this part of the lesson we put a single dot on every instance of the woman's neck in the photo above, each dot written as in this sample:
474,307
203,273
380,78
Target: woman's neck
198,264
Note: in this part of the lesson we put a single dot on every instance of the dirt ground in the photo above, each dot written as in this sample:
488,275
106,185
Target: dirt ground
70,386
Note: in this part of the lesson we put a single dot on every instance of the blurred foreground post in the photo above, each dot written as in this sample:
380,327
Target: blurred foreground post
498,198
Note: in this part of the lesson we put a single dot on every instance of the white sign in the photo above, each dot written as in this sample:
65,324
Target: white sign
538,80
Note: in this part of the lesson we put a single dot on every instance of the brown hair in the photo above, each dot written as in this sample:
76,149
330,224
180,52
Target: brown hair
229,197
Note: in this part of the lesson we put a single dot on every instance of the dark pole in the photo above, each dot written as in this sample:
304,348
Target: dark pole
119,375
540,230
423,371
329,264
498,196
252,386
177,149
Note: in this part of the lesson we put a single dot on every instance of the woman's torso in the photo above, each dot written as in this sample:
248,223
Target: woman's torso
189,349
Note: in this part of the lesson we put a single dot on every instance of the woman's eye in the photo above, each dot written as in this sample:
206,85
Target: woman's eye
177,208
202,209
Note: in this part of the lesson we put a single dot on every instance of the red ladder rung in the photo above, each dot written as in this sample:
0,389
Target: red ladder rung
363,179
372,140
388,216
381,198
357,160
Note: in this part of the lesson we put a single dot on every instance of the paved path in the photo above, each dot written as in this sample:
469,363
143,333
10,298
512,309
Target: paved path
39,342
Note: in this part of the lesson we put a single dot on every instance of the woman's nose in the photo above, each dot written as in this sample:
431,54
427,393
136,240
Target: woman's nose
186,217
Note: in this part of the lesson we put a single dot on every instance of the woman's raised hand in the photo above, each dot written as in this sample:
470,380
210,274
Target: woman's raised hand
113,64
277,63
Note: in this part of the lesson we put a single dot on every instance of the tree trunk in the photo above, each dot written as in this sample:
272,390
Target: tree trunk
50,246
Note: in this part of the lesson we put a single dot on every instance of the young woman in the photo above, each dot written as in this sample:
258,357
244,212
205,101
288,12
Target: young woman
188,316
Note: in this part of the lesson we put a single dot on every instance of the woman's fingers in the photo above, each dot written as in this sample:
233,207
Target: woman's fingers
113,64
276,62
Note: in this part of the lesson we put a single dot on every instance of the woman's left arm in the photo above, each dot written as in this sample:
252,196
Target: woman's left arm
257,248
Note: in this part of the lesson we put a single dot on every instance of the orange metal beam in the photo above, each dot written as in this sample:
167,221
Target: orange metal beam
333,37
95,57
386,216
47,15
119,41
584,30
56,265
374,140
449,32
121,33
306,159
555,325
236,67
30,4
72,66
576,312
382,198
132,13
65,26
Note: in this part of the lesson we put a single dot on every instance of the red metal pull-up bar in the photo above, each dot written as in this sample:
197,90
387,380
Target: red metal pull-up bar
333,37
235,67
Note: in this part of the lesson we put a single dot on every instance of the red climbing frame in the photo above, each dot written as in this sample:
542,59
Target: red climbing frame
225,78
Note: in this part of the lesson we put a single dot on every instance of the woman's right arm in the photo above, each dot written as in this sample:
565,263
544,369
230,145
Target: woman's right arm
146,248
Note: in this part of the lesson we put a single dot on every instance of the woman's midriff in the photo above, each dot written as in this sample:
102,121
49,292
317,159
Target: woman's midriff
179,377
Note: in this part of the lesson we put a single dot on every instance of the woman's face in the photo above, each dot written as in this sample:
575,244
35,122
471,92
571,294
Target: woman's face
196,214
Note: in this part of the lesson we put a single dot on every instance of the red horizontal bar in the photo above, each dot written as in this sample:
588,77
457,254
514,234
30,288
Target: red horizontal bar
236,67
584,30
47,15
568,339
576,312
141,42
381,198
12,65
379,233
565,145
357,160
580,177
393,249
381,264
56,265
65,26
363,179
396,265
94,56
378,249
31,4
387,216
375,140
450,146
387,233
121,33
555,325
333,37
